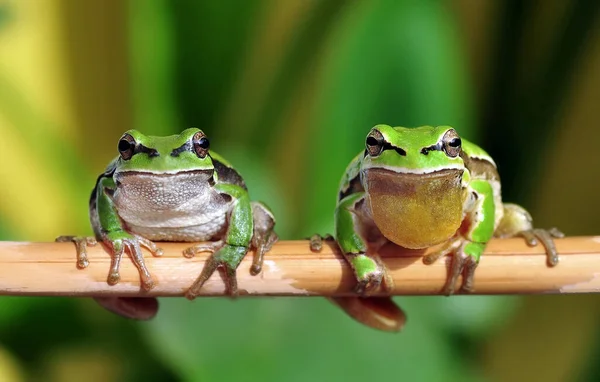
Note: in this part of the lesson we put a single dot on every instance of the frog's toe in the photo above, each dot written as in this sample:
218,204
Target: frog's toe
82,263
316,241
148,284
113,278
255,269
369,284
262,246
431,258
546,237
530,237
459,260
81,244
468,274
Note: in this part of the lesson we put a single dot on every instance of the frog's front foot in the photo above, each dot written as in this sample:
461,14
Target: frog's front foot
547,237
227,257
316,241
81,244
369,283
465,258
120,241
370,273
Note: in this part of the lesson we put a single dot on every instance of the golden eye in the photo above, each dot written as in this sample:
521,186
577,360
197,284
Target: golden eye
375,143
451,143
201,144
127,146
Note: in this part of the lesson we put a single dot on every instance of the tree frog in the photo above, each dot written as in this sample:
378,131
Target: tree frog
173,189
418,188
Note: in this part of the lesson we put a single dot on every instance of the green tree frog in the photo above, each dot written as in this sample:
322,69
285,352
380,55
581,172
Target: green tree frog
418,188
173,189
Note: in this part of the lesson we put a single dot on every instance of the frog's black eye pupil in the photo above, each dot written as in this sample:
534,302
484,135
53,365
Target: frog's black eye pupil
124,145
204,143
372,141
455,142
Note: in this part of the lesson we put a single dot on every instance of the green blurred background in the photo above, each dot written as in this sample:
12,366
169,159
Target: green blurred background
287,90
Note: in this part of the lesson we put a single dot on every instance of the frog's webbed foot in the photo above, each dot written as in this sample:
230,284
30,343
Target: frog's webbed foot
81,244
263,236
228,257
120,242
547,237
516,221
316,241
465,258
371,274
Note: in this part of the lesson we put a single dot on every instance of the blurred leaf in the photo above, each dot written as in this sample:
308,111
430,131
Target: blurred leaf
210,37
271,340
526,110
5,14
10,370
152,56
395,78
55,163
546,341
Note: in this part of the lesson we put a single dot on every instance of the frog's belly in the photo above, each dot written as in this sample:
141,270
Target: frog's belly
182,207
416,210
202,232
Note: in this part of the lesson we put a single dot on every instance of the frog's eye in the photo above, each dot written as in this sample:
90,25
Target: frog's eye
201,144
451,143
127,146
375,143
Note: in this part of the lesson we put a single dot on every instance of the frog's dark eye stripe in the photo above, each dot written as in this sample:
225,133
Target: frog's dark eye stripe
187,146
143,149
389,146
426,150
198,145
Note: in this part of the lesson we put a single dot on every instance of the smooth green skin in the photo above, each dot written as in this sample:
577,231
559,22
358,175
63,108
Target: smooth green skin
482,215
111,229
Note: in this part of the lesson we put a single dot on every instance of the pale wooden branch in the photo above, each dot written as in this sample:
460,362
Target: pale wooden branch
509,266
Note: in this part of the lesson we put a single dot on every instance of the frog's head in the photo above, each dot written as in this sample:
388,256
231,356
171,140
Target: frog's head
162,173
173,154
414,179
419,150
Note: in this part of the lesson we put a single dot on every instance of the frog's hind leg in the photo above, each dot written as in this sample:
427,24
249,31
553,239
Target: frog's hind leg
264,236
516,221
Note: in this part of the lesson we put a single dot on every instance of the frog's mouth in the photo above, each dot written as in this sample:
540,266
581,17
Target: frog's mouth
415,210
164,191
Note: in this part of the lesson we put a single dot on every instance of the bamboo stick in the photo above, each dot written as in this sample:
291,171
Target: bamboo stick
509,266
